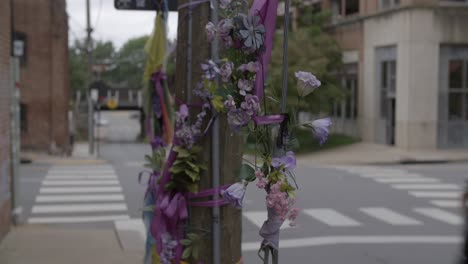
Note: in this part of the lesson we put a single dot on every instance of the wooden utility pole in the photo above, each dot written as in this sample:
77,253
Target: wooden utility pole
230,152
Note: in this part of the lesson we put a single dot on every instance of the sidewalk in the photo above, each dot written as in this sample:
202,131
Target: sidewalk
58,245
369,153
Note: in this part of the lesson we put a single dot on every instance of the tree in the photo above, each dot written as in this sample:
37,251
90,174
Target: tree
130,63
310,49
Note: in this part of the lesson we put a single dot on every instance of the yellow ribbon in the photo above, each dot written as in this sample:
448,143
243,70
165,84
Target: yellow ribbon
155,48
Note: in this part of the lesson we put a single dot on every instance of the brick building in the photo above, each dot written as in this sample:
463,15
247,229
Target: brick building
406,71
44,75
5,95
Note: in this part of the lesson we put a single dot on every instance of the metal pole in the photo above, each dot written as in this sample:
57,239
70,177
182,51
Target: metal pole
189,54
284,91
215,154
98,138
89,50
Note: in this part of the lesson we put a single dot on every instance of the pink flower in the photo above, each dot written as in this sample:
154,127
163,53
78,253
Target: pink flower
261,180
293,215
244,86
251,67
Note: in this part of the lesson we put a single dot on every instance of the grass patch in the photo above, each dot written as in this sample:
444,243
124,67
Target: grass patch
308,144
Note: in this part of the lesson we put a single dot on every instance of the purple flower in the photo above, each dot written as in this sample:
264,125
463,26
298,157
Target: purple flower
226,71
183,111
230,104
307,83
251,105
251,67
210,30
223,4
224,27
288,161
168,246
157,143
210,69
321,129
185,136
237,118
244,86
252,32
227,41
234,194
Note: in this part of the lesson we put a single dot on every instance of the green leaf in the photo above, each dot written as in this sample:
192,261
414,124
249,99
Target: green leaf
192,236
177,169
193,188
247,173
187,253
186,242
183,153
193,175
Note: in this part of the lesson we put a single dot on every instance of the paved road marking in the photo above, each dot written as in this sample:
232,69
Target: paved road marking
76,219
82,182
331,217
407,180
80,198
80,189
440,215
336,240
79,208
436,194
390,175
447,203
82,177
426,186
388,216
91,172
258,217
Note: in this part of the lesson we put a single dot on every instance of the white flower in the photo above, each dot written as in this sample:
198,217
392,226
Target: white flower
307,83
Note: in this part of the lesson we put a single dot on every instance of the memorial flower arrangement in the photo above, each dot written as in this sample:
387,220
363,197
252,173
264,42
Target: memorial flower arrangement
232,86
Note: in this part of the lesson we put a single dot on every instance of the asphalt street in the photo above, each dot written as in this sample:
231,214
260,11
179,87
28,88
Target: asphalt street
352,214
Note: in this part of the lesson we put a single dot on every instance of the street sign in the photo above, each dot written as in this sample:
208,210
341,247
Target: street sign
142,5
112,104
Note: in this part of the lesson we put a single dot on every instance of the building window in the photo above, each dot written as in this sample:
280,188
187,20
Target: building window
342,8
22,37
384,4
458,90
348,107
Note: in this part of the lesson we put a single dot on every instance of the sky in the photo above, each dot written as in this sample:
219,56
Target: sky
111,24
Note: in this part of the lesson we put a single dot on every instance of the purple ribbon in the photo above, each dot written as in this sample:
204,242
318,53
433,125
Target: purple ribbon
268,120
266,10
270,230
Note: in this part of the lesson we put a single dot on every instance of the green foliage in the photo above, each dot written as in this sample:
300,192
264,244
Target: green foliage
310,49
247,173
130,63
156,161
192,246
186,170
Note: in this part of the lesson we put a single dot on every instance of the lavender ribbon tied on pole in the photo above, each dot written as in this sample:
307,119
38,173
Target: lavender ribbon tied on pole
267,11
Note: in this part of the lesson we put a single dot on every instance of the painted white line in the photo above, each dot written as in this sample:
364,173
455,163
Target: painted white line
331,217
447,203
131,225
258,217
336,240
407,180
440,215
389,216
91,172
80,189
436,194
426,186
80,198
79,208
83,182
76,219
82,177
391,175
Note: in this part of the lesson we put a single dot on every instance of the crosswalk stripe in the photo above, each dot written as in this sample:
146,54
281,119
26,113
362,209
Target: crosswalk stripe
83,182
447,203
80,198
440,215
426,186
258,217
390,175
80,189
331,217
82,177
407,180
76,219
79,208
68,172
435,194
389,216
